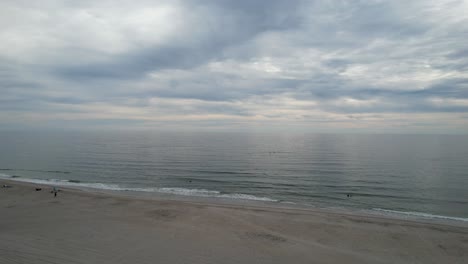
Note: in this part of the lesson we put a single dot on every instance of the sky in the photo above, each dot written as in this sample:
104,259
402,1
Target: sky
322,66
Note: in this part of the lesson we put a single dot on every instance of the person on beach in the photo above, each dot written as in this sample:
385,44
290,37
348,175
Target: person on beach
55,192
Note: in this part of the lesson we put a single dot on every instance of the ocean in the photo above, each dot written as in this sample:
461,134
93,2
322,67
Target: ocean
425,175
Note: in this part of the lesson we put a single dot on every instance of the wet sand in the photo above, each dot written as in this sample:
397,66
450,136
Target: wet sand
90,227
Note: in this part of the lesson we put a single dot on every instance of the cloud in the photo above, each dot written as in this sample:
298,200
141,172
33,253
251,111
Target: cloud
337,65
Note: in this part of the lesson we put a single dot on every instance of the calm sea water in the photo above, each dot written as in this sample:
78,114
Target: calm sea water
407,173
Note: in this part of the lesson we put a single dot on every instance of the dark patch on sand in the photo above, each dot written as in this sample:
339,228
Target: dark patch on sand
442,247
100,198
364,221
266,236
120,202
162,214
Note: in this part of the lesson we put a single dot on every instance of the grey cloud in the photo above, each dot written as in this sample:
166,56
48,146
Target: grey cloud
209,90
451,88
223,24
310,50
458,54
393,101
383,19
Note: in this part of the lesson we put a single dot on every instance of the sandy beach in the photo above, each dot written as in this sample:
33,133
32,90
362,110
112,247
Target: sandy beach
89,227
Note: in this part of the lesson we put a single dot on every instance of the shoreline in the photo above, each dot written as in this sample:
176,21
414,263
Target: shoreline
85,226
419,217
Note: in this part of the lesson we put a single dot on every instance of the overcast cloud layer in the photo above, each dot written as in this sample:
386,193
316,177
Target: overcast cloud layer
386,66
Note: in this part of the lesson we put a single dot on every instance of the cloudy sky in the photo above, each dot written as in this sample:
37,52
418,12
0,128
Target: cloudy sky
378,66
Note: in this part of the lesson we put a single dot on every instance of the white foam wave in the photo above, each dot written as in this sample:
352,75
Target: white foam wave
203,193
420,215
115,187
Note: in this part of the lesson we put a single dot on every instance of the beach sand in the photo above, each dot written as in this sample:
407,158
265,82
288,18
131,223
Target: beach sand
89,227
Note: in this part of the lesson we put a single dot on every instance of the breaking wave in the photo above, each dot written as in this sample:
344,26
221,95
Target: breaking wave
166,190
420,215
